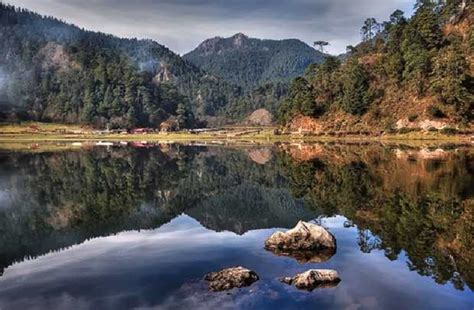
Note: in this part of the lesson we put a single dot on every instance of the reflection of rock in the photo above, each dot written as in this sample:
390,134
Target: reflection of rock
231,278
314,278
261,156
305,257
423,154
302,124
304,152
306,242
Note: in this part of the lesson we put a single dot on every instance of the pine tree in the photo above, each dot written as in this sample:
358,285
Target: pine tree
107,103
181,116
451,79
355,89
89,109
302,98
132,116
370,29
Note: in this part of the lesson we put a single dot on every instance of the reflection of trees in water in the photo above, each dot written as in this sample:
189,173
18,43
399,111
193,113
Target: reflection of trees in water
424,207
61,199
54,200
368,241
248,207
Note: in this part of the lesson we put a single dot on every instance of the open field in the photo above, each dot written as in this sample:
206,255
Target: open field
42,132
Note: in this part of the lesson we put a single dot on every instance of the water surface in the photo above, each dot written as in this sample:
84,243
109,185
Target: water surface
138,226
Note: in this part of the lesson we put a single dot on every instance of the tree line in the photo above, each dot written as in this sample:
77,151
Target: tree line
417,57
54,71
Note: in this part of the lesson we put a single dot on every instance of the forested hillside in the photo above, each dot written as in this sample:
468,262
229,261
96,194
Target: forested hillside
407,74
262,68
250,62
53,71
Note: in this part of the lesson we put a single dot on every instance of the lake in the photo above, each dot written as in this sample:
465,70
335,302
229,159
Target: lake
138,225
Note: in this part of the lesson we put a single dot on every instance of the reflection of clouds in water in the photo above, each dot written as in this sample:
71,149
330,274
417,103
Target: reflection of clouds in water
163,269
64,301
170,236
5,199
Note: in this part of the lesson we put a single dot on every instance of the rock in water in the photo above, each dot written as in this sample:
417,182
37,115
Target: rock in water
306,242
314,278
230,278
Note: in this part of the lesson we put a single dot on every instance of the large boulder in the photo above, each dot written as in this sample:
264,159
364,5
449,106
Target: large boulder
230,278
260,117
306,242
314,278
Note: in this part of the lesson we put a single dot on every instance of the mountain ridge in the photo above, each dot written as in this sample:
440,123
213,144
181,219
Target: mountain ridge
251,62
51,70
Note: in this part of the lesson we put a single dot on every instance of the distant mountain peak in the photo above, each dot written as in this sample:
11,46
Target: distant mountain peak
250,62
239,39
240,35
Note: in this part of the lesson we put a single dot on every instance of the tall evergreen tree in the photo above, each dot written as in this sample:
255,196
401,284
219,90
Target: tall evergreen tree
355,89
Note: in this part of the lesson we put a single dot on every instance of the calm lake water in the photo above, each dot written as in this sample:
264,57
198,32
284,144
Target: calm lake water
138,226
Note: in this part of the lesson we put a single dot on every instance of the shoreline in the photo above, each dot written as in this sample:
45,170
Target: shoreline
33,132
265,136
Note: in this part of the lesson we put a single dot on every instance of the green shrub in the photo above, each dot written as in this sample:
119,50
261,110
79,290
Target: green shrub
412,117
435,112
449,131
405,130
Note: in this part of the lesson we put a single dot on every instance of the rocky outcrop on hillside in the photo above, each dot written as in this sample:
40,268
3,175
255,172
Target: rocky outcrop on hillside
304,124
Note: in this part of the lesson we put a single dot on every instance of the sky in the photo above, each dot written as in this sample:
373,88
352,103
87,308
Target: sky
182,24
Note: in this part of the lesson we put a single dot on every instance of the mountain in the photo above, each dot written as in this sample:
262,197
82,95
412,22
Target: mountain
54,71
263,69
250,62
408,74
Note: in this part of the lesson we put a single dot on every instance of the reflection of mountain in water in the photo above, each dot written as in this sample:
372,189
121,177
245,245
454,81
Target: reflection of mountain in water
403,201
54,200
250,207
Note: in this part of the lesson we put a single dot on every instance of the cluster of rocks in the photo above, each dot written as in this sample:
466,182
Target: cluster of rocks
306,242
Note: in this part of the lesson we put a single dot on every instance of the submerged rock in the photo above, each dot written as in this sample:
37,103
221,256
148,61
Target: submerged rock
306,242
230,278
314,278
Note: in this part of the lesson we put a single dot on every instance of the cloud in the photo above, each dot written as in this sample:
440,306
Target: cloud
183,24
